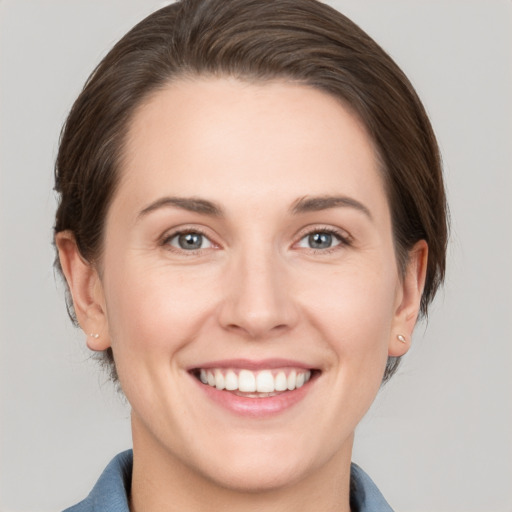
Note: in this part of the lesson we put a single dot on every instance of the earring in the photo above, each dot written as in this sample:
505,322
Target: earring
94,335
401,338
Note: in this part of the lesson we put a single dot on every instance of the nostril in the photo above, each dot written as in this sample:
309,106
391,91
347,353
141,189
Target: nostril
257,330
257,323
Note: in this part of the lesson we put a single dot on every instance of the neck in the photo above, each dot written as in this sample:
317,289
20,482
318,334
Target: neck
163,482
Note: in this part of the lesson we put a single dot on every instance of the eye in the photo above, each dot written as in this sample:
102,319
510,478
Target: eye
189,241
321,239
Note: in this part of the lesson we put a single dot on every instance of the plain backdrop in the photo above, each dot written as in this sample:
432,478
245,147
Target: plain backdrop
439,436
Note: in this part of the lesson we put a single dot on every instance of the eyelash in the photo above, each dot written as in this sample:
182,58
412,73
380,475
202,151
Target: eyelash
167,238
344,239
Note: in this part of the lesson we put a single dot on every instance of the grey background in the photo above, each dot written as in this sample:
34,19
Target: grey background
439,436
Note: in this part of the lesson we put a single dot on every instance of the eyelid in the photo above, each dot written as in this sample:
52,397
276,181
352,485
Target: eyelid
343,236
168,235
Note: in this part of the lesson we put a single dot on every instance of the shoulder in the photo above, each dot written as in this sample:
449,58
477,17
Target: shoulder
364,494
110,494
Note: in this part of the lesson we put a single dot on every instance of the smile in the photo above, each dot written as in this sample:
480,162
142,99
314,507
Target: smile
255,389
254,384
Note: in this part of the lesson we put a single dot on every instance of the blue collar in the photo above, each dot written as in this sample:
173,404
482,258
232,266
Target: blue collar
110,494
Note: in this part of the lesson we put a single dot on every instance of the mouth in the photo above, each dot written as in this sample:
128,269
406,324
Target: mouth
256,389
247,383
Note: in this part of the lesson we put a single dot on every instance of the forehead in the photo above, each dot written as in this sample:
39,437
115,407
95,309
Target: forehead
217,136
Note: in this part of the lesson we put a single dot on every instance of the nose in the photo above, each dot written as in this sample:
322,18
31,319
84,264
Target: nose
258,302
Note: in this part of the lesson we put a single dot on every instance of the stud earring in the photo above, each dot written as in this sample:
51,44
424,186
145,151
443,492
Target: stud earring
94,335
401,338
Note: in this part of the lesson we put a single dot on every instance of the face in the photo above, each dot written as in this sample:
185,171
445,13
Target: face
249,286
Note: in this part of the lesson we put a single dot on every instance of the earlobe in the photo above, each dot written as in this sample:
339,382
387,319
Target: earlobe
408,307
86,291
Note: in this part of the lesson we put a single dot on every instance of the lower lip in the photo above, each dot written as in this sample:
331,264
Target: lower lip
256,407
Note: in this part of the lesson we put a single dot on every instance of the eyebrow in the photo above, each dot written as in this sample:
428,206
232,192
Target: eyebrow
319,203
302,205
191,204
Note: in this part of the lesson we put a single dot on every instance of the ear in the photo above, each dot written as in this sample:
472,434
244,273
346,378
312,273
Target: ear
86,290
408,300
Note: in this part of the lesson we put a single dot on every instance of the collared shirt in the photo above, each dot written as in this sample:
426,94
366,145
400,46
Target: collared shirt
110,494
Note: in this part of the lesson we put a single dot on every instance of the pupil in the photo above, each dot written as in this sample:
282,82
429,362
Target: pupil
320,240
190,241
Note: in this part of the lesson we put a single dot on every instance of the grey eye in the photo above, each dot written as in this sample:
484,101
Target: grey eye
190,241
319,240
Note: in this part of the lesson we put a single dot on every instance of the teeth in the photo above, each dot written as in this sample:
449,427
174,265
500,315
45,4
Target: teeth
265,382
247,381
292,379
231,381
219,380
281,382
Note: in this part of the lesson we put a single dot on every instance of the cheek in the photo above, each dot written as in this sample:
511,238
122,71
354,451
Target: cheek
354,311
153,310
355,299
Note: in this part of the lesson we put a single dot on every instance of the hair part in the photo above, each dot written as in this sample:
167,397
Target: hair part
303,41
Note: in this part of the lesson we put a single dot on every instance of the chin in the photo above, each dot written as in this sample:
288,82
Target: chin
262,463
258,475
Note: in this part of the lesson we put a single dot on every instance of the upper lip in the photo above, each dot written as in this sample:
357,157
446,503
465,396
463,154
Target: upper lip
252,364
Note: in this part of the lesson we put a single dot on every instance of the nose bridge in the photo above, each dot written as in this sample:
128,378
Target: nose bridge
257,300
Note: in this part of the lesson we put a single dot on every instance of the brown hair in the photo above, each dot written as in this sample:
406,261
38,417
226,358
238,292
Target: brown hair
303,41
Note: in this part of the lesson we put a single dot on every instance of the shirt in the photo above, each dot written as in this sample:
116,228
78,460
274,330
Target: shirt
110,494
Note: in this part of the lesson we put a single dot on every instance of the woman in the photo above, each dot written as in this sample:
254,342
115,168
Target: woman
251,220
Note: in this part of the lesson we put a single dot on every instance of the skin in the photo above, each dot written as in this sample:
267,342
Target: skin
256,289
